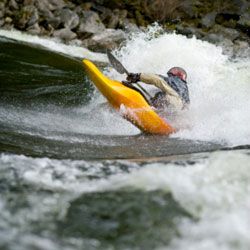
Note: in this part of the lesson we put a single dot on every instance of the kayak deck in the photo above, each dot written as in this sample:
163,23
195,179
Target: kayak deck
129,102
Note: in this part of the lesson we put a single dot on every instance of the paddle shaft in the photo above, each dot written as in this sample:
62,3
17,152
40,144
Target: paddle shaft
122,70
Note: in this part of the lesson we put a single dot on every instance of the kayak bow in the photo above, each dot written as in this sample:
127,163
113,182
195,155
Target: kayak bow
129,102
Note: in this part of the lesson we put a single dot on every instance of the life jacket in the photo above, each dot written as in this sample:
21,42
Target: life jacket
178,85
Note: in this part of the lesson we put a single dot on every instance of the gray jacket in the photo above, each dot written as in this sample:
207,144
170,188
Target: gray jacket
176,90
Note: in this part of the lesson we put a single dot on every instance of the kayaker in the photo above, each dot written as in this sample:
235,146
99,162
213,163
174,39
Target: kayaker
174,90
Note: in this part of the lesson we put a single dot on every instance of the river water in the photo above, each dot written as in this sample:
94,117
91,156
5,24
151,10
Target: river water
75,175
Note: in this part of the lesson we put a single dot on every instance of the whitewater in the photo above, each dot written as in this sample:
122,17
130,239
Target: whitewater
48,179
219,86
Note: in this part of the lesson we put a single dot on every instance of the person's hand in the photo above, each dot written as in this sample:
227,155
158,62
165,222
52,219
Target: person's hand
133,77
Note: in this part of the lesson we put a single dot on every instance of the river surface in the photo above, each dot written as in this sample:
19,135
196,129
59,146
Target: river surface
75,175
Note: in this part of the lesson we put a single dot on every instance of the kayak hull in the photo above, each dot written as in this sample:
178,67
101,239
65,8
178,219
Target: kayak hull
129,102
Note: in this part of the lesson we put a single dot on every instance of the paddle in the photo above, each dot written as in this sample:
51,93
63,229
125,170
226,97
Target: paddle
116,64
122,70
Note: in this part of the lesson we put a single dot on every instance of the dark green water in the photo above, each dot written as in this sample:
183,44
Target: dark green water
60,165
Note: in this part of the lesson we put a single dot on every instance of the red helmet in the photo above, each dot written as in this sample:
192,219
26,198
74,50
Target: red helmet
180,72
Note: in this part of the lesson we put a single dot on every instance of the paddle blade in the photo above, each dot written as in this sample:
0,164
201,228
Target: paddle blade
116,64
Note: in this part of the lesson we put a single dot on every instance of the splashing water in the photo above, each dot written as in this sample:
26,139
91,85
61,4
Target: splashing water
219,88
197,201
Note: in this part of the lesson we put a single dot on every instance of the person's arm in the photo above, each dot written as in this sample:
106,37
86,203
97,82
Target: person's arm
159,83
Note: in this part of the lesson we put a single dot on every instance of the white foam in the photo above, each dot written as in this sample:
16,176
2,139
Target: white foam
54,44
219,88
215,191
73,175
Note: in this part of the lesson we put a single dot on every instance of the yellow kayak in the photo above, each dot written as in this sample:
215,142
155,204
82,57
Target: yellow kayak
129,102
